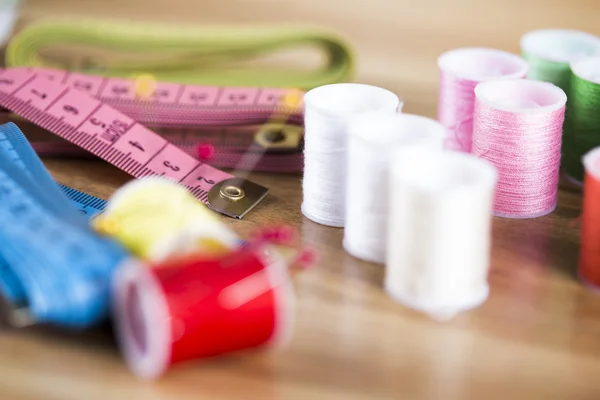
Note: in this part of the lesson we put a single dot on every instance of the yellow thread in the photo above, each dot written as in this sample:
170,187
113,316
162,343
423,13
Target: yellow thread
292,98
156,219
144,86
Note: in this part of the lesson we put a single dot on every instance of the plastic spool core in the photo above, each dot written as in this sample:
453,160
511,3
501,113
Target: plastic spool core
142,316
588,69
382,129
560,45
480,64
135,324
344,99
443,174
521,96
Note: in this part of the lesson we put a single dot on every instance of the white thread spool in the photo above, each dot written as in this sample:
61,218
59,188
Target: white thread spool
9,12
329,110
371,142
439,230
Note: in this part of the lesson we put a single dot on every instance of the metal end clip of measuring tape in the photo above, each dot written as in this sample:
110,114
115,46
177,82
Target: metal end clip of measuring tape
53,267
43,99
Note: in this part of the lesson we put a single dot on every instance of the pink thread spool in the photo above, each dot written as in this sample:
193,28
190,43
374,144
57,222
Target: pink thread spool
518,128
460,71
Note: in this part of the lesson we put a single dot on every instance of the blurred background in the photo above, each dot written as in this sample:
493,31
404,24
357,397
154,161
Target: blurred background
396,42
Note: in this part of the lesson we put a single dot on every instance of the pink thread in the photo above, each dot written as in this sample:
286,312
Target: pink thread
460,71
206,151
280,234
518,128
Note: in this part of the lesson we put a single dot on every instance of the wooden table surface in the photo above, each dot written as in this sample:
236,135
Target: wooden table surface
537,336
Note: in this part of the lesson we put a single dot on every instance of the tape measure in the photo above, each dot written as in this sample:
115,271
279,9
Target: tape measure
208,55
53,267
86,204
46,98
268,148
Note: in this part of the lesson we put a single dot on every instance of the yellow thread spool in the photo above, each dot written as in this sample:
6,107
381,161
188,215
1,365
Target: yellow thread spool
157,219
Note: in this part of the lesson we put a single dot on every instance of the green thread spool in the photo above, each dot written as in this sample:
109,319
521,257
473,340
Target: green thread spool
221,56
550,51
582,119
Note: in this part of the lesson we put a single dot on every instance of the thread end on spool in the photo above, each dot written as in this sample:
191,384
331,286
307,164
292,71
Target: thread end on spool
141,320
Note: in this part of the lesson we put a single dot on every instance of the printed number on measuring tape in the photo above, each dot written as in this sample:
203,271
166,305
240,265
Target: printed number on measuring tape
52,264
120,140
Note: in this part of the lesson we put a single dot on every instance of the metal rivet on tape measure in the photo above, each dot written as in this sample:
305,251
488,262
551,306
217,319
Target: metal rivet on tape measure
235,197
232,193
282,138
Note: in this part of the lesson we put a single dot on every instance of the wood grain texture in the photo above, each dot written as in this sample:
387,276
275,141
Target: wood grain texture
537,337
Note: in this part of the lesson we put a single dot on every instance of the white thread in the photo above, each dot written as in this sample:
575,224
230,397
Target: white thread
439,230
9,11
371,143
328,113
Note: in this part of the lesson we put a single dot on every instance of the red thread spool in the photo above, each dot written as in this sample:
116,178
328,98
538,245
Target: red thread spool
201,308
589,256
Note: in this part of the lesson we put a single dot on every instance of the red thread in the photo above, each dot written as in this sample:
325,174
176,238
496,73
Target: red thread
198,308
589,256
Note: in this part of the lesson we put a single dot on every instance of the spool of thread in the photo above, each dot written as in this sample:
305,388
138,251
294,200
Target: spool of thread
460,71
549,52
155,218
589,256
518,128
328,113
372,140
9,12
439,230
201,308
582,118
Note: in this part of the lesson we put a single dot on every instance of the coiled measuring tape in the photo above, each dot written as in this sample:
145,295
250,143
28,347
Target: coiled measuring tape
204,56
53,267
48,98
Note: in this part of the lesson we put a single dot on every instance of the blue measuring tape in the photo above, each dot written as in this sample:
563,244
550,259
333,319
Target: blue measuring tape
52,263
86,204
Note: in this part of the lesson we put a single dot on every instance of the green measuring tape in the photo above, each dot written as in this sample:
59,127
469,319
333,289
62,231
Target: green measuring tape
203,56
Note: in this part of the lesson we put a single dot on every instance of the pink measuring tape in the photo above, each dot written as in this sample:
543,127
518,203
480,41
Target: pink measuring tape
57,101
266,148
